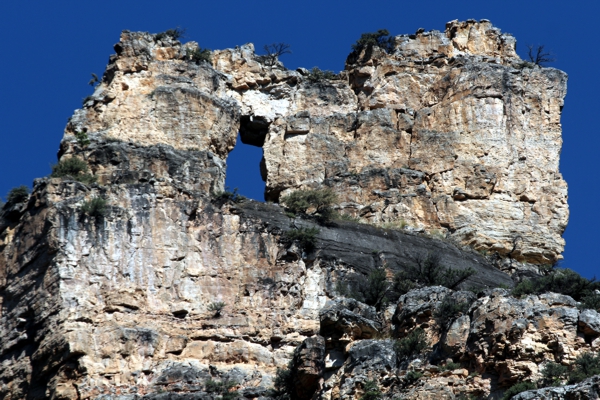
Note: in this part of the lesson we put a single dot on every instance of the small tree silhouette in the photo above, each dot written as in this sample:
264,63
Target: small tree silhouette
538,56
274,50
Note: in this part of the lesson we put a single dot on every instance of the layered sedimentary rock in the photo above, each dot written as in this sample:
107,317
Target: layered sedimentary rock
450,132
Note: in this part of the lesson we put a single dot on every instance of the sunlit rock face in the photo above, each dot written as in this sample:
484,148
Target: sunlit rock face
450,134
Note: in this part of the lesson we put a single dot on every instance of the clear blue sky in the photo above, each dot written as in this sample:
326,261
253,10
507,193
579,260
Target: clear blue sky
49,50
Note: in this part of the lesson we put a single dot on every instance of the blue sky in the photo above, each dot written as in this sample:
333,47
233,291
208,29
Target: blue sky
49,50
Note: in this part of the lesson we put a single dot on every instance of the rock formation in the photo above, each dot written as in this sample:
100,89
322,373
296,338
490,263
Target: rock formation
451,133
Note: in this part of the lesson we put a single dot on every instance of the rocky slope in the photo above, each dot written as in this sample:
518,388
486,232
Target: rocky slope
451,133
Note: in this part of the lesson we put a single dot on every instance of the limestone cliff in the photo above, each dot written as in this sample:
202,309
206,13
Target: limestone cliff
450,132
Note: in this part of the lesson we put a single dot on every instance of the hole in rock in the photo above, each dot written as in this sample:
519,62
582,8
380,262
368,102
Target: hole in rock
244,169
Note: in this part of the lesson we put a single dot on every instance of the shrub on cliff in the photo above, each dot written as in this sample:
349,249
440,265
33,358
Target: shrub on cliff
564,281
321,200
17,194
448,310
381,39
373,290
585,366
95,207
72,167
371,391
216,307
176,34
553,374
198,55
318,75
412,345
221,388
305,237
518,388
429,271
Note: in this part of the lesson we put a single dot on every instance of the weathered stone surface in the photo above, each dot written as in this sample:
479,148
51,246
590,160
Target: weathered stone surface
586,390
589,322
450,133
348,319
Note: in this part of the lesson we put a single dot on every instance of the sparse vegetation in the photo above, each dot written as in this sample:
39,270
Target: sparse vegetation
553,374
216,307
372,290
95,207
198,55
412,345
448,310
412,376
274,51
305,237
538,56
399,225
585,366
564,281
174,34
82,137
222,388
72,167
318,75
371,391
227,195
429,271
321,200
381,39
451,366
518,388
283,384
17,194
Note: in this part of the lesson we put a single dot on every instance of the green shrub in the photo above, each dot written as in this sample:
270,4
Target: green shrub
412,376
451,366
518,388
17,194
429,271
381,39
95,207
216,307
321,200
283,384
305,237
317,75
412,345
82,137
198,55
591,301
175,34
72,167
372,290
564,281
222,388
586,365
448,310
554,374
227,195
371,391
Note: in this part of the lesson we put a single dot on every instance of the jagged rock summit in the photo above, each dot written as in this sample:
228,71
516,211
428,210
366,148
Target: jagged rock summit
447,134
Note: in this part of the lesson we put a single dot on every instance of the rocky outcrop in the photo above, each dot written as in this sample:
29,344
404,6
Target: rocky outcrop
450,132
490,120
586,390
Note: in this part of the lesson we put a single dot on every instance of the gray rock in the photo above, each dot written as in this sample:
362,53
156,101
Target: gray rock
589,322
586,390
349,317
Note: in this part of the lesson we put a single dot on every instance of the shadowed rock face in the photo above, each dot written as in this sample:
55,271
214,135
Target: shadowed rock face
450,132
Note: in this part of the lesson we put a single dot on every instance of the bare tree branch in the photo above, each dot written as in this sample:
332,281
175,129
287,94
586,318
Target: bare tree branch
274,50
538,56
